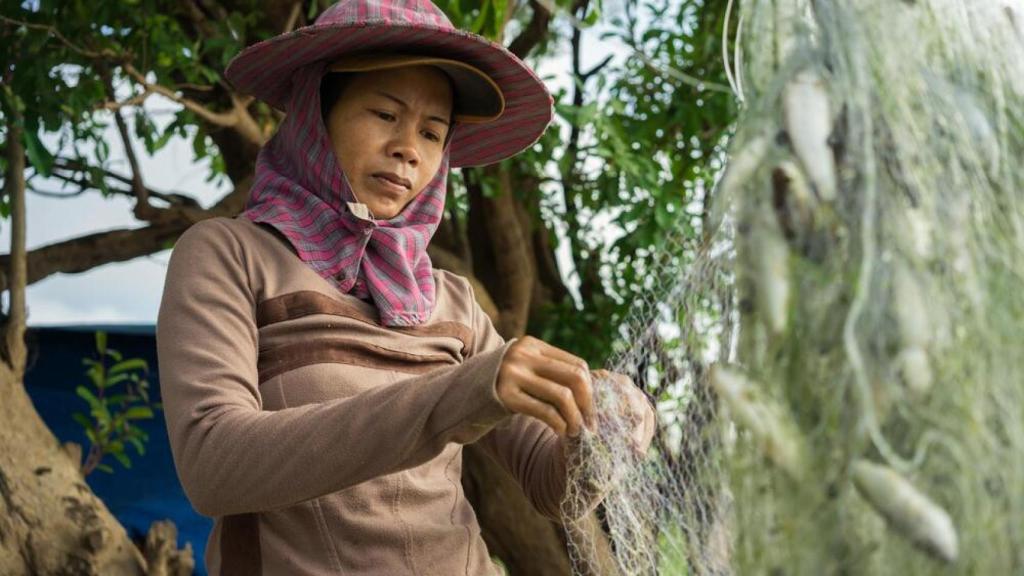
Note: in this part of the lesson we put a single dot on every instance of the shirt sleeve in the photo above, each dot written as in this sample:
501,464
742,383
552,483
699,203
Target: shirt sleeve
234,457
524,446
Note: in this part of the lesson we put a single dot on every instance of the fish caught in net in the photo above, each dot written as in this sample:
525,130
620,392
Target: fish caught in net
837,361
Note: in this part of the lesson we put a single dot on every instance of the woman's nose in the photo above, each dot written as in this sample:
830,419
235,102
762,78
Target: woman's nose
403,146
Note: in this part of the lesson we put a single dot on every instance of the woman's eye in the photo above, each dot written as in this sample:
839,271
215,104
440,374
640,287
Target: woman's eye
432,136
384,115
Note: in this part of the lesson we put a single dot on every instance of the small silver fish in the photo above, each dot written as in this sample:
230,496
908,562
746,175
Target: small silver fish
807,115
908,511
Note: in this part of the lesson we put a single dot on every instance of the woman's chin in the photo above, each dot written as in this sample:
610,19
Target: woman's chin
385,211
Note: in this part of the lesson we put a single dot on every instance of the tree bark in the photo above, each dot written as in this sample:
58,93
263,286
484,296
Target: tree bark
527,543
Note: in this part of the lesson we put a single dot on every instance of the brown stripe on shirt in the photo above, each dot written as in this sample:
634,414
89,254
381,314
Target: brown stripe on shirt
240,546
281,359
306,302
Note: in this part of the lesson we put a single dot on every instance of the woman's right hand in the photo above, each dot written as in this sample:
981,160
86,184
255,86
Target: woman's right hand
548,383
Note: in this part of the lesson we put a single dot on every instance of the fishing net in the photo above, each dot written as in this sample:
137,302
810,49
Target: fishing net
838,359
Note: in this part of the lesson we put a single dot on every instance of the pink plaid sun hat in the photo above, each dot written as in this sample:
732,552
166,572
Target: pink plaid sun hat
368,27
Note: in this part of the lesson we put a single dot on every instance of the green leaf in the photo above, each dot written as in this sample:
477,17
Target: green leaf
95,374
139,413
113,381
481,19
130,364
102,416
123,459
82,419
500,7
140,448
199,146
38,156
663,217
105,468
89,397
101,341
119,399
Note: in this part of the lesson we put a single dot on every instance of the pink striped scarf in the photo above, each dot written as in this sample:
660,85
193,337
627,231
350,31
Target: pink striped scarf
300,190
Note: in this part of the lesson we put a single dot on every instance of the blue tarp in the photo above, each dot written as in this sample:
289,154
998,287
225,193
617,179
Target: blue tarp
150,490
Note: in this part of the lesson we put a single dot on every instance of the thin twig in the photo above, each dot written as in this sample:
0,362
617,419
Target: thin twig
136,100
172,198
597,68
293,17
142,207
225,119
665,70
51,30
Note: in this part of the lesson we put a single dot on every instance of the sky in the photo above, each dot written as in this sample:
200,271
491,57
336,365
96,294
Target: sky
129,292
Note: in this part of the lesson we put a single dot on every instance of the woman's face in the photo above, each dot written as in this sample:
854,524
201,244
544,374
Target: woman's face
388,129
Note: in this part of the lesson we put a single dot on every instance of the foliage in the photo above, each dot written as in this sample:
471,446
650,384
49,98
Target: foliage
119,396
643,165
627,164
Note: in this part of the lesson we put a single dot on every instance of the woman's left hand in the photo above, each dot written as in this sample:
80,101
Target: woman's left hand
636,410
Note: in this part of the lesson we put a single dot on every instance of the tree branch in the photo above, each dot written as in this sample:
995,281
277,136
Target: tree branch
446,260
533,33
172,198
501,256
61,195
52,31
136,100
143,211
15,266
293,17
597,68
571,176
512,259
199,20
547,266
238,118
86,252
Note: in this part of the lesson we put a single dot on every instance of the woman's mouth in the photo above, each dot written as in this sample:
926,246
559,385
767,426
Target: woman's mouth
393,182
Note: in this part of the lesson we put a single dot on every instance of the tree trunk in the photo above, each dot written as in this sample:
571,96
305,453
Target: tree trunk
529,544
52,523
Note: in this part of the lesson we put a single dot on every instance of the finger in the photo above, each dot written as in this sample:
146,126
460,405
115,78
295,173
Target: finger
557,353
525,404
576,379
645,431
561,397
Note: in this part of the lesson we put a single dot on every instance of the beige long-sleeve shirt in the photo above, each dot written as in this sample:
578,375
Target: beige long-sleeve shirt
318,440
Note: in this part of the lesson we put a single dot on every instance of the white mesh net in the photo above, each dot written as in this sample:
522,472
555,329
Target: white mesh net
838,362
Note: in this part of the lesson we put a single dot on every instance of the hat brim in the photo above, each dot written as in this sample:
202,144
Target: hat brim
478,99
264,70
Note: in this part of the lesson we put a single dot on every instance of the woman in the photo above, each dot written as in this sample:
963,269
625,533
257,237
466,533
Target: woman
319,376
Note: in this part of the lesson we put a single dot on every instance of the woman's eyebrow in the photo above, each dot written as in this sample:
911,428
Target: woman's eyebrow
403,104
